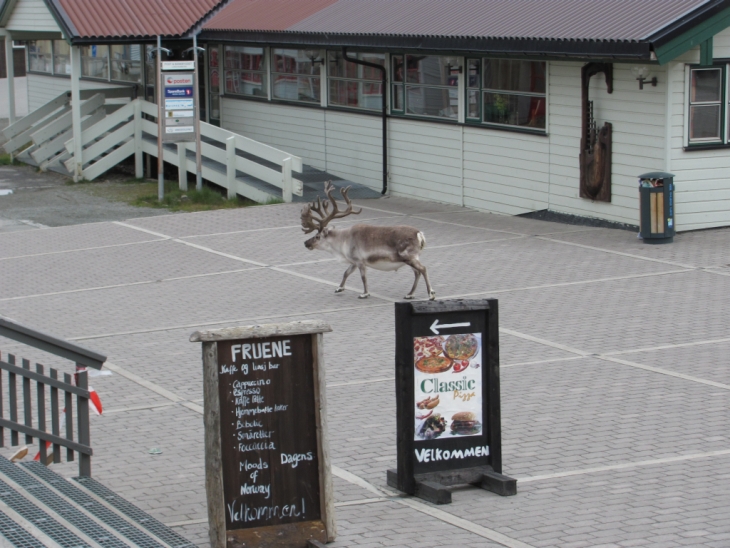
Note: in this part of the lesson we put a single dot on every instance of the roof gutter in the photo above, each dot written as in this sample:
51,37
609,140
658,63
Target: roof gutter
536,48
383,89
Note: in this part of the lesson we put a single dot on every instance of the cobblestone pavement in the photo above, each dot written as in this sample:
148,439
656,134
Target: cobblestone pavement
615,383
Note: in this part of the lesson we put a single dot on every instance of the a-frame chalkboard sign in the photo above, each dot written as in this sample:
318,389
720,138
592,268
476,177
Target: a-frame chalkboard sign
448,402
267,469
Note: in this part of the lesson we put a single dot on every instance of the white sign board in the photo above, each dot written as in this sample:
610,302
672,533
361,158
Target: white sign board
179,104
178,80
178,65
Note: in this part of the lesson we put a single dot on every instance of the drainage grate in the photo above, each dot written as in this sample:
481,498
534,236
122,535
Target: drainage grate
157,528
52,501
108,517
30,512
18,537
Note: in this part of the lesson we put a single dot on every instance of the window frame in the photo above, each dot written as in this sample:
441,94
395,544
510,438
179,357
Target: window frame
316,66
480,122
359,81
404,85
723,102
224,70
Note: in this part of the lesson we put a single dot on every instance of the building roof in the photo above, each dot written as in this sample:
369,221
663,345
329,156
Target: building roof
107,20
604,28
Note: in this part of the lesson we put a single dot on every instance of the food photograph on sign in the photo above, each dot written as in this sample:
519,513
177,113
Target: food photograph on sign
448,386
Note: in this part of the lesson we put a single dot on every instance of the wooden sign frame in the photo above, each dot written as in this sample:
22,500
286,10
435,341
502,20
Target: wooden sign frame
463,442
292,534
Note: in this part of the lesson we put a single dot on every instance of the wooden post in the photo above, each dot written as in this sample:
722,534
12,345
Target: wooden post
231,166
138,154
213,465
286,181
182,166
76,112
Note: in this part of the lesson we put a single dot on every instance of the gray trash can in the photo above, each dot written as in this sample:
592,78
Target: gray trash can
656,198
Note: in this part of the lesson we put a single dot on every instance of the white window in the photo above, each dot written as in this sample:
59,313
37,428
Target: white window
40,56
425,86
706,105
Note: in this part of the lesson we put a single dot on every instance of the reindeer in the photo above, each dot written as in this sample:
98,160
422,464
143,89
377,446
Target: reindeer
379,247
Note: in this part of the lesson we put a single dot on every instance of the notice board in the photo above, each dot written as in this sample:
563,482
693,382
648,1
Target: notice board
267,464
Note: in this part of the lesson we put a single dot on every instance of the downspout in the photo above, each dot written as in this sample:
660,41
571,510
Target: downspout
384,84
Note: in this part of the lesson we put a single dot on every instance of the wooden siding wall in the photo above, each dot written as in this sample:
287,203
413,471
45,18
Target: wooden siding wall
42,89
32,15
513,173
702,176
638,118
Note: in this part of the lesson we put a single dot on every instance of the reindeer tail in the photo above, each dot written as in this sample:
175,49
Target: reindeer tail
421,239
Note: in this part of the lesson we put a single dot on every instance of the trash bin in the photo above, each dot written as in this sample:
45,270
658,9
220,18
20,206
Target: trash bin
656,197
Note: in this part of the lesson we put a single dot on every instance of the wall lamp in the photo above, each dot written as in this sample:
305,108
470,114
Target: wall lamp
642,74
452,64
312,54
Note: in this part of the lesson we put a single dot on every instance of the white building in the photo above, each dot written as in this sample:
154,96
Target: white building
484,99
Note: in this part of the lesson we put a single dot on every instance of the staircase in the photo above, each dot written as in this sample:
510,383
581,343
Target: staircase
38,508
113,132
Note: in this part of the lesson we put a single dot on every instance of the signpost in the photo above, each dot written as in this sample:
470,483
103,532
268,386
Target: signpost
268,478
448,406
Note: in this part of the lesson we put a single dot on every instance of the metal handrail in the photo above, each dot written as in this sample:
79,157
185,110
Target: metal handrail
62,392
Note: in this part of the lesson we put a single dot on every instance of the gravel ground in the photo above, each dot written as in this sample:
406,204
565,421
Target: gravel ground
46,199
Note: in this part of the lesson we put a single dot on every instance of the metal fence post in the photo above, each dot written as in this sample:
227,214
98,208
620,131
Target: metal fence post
231,166
182,166
82,407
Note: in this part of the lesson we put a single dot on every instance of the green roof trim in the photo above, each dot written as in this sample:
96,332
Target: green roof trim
696,36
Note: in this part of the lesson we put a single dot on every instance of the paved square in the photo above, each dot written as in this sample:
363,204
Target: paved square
615,377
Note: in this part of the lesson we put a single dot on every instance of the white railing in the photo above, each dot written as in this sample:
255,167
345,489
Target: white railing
109,136
221,163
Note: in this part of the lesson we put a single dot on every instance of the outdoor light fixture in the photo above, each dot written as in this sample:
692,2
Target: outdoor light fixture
642,74
452,63
313,54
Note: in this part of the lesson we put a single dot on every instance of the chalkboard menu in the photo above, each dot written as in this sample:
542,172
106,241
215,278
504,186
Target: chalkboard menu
269,453
267,465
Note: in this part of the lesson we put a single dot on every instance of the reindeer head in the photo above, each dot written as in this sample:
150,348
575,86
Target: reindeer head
320,208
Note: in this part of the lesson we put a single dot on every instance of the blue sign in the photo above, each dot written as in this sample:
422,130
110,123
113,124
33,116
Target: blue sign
179,92
93,51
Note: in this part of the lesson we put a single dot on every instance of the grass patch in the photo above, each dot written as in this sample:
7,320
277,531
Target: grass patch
143,193
6,161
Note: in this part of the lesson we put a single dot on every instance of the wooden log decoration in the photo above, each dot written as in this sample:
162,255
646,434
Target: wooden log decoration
268,474
595,144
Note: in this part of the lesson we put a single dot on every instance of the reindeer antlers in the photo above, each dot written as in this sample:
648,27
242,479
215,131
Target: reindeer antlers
310,223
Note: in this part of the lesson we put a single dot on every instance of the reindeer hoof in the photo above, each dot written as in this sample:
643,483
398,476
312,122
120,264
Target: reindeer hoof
432,296
409,297
339,290
363,296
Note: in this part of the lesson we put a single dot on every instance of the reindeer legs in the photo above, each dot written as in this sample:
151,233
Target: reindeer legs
364,277
419,269
349,271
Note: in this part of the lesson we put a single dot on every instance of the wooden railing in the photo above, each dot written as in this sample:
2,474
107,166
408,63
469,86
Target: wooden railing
111,133
61,393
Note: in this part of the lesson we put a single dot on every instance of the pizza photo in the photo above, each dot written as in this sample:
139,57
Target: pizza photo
461,347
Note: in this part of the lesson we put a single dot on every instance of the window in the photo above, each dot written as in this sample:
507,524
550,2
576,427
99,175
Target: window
295,77
214,83
425,85
127,62
353,85
706,105
95,61
245,71
40,56
61,57
513,93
